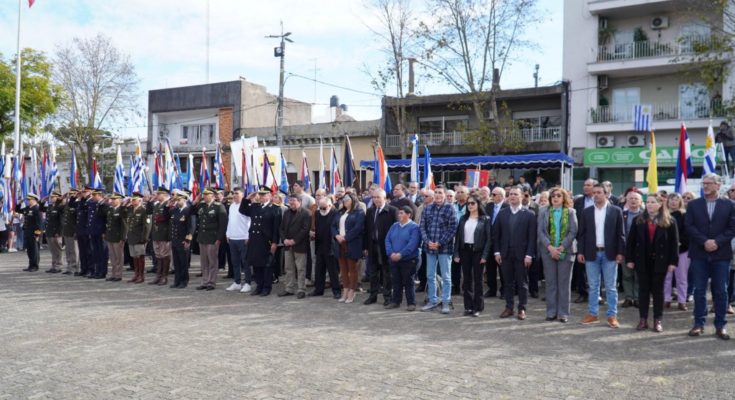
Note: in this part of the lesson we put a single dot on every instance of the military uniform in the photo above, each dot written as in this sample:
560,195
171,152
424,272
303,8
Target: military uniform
31,234
161,236
212,225
54,214
265,221
182,228
116,230
82,234
68,231
96,226
139,226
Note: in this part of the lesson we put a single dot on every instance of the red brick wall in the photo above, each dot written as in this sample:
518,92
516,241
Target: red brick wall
225,137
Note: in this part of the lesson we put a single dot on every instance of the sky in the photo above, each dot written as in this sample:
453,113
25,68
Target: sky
333,41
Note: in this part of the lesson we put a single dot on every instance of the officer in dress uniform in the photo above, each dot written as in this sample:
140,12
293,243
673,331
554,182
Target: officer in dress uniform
161,234
54,213
31,230
96,227
265,220
82,231
139,227
116,230
68,230
212,220
183,225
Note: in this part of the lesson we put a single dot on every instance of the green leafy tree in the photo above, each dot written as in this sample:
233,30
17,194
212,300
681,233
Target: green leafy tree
39,96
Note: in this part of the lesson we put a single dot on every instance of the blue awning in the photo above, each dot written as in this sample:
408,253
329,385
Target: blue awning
540,160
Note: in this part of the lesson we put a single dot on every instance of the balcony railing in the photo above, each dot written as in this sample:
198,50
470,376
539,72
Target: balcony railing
660,112
649,49
529,135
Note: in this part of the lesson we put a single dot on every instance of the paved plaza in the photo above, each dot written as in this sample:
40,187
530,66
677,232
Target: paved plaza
74,338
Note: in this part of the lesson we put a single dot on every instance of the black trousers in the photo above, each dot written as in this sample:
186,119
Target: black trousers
309,263
650,284
492,271
422,271
579,278
515,276
456,276
84,254
100,254
33,248
326,263
403,273
276,266
222,258
472,284
180,256
534,275
379,273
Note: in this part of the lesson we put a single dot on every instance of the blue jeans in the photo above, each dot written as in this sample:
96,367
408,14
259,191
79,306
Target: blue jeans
238,250
609,271
718,272
432,259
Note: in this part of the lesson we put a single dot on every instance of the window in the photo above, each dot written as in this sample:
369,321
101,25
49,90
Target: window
624,44
623,100
453,123
693,101
693,33
198,134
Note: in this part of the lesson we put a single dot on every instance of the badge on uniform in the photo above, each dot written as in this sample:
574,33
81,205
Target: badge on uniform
211,212
183,218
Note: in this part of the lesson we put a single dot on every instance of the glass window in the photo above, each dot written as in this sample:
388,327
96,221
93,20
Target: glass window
623,100
693,101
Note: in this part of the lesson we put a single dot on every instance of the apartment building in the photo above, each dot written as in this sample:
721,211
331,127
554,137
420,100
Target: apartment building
623,53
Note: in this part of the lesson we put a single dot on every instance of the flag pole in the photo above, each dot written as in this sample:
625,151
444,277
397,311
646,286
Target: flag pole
17,87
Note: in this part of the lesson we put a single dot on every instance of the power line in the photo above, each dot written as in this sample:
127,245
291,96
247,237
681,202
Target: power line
335,85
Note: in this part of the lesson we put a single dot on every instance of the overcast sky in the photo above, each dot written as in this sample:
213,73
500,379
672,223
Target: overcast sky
166,40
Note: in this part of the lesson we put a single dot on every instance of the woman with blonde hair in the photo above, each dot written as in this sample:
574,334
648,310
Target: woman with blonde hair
652,249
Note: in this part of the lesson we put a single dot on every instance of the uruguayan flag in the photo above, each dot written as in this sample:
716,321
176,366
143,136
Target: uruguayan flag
642,118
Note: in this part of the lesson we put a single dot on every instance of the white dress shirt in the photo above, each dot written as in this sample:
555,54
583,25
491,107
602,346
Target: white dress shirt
600,214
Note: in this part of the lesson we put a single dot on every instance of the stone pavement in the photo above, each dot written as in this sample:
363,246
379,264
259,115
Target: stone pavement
73,338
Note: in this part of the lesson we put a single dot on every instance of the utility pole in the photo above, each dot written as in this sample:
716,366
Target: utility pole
280,52
207,45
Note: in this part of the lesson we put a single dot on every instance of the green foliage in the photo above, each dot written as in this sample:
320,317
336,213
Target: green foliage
39,96
503,136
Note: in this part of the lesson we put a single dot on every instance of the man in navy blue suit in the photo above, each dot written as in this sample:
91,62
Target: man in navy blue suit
710,222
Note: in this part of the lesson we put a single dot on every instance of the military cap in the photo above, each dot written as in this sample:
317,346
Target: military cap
207,191
116,196
98,191
73,191
162,189
263,189
137,195
87,187
56,193
182,194
32,196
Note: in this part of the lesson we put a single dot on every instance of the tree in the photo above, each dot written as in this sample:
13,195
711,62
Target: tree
394,33
100,88
468,44
39,96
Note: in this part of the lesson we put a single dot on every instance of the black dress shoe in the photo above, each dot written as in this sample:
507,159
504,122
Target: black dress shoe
627,303
391,306
468,312
198,275
209,288
551,318
386,302
265,293
370,300
77,274
201,287
336,295
256,292
563,320
284,294
581,299
534,295
66,273
182,286
174,286
51,271
300,295
110,280
315,294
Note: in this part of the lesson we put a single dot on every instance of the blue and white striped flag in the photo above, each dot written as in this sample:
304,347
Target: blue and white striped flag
137,174
415,159
710,152
642,118
53,170
119,184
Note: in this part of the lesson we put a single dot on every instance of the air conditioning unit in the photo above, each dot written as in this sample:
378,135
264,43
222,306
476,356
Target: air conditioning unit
660,22
636,140
602,82
606,141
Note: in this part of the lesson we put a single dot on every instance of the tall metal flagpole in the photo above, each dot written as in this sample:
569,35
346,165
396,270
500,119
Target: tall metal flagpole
17,88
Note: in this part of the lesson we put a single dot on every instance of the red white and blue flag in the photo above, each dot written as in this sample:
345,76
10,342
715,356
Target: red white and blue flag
381,171
95,180
683,161
335,177
204,172
304,173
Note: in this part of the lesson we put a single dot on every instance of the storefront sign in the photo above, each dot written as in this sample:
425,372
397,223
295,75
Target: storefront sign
638,156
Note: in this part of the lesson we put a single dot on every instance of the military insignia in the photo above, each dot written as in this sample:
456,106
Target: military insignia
182,219
211,212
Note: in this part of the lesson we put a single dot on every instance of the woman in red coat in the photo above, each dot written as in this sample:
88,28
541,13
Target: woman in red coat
652,249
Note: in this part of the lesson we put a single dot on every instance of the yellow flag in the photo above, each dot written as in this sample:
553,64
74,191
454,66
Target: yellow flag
652,174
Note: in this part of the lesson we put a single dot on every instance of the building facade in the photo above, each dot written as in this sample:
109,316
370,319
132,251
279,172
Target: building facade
623,53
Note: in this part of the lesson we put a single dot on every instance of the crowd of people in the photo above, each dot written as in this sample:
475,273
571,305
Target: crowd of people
439,241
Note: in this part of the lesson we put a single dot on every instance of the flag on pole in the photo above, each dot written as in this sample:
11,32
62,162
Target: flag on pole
381,167
191,184
44,173
53,171
428,175
244,178
169,170
204,172
177,183
322,178
23,178
95,178
415,159
30,3
304,175
642,117
283,186
652,174
335,178
73,172
218,178
683,161
119,183
35,187
4,174
710,152
349,164
268,171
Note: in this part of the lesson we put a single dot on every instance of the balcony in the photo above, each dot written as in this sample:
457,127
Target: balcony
627,8
665,116
647,57
529,135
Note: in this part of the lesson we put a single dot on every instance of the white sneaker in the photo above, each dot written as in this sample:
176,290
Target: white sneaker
12,250
233,287
245,288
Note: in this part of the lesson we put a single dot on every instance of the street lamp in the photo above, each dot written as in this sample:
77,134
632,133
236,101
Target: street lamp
280,51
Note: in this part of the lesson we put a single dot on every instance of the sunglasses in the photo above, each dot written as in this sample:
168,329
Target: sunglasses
472,203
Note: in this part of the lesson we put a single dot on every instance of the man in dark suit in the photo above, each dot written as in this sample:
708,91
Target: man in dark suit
414,194
491,267
710,223
380,217
600,247
265,221
579,279
514,245
400,199
325,261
